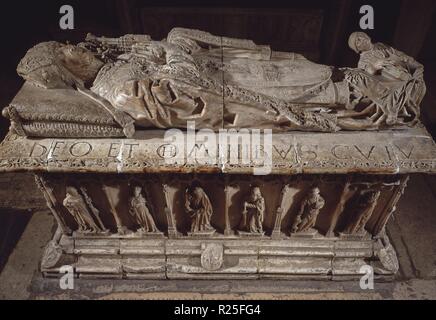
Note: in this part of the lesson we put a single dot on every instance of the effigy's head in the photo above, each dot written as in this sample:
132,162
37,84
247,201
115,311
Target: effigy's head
359,42
56,65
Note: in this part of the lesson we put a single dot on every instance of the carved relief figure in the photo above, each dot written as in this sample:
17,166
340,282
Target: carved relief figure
364,206
310,207
140,212
146,83
253,212
199,207
80,210
48,192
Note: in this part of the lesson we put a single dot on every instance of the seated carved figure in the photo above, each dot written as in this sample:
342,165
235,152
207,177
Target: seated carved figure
218,82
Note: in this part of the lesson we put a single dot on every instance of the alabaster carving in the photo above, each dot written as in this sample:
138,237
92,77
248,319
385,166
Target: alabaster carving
250,212
190,247
171,221
52,255
276,232
212,257
80,209
310,207
365,202
139,210
192,75
90,121
199,208
253,212
52,203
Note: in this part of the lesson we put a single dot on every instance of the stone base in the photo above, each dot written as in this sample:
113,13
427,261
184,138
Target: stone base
357,236
202,234
297,288
149,234
187,258
311,233
244,234
80,234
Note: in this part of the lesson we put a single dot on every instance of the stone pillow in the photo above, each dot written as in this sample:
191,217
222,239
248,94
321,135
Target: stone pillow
39,112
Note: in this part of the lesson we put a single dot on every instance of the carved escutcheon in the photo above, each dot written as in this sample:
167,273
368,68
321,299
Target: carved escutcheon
212,256
52,254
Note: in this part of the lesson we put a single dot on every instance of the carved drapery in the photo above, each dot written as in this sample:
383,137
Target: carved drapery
364,205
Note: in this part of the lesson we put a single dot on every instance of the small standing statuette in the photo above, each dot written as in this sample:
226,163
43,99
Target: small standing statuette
253,212
139,210
363,208
199,207
310,207
81,211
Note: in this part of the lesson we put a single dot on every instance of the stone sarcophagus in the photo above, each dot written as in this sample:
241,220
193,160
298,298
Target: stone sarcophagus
201,156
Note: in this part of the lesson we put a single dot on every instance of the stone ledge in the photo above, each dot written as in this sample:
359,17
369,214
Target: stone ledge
183,259
384,152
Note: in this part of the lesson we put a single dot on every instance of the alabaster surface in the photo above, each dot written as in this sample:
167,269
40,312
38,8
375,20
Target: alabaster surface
134,82
107,127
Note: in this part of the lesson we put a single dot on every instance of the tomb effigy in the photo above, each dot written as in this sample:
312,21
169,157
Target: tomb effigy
201,156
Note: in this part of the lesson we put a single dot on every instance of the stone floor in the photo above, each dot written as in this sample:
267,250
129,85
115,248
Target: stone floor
412,231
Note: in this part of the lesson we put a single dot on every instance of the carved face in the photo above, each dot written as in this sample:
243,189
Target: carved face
314,193
55,65
255,193
137,191
197,193
360,42
80,62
